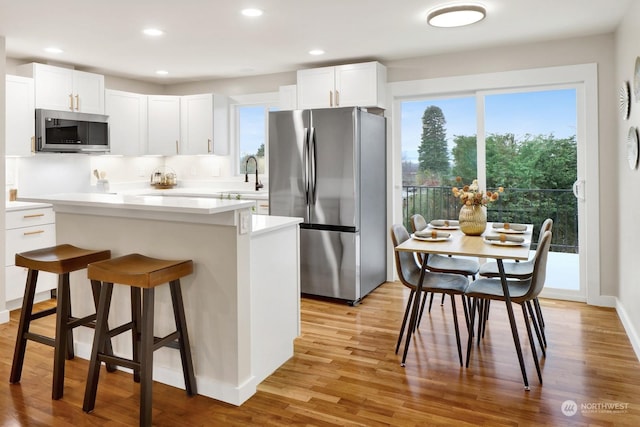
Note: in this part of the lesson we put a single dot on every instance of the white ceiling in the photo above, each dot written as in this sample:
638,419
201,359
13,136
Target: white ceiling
209,39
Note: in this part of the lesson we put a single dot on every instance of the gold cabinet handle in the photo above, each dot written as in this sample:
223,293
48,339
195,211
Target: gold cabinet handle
29,233
177,148
71,101
330,98
33,144
33,215
209,147
78,102
337,98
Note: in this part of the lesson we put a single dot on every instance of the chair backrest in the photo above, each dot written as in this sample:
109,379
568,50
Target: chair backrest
405,262
418,222
539,266
547,225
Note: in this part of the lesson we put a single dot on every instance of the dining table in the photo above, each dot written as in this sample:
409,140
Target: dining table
486,245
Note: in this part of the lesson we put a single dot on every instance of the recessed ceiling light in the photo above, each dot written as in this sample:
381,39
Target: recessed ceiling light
316,52
53,50
251,12
153,32
456,16
162,72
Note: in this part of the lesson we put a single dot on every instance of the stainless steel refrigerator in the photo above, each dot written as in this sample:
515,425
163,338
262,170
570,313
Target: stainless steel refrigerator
328,167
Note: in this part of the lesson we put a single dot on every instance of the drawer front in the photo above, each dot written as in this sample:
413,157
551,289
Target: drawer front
27,239
16,278
29,217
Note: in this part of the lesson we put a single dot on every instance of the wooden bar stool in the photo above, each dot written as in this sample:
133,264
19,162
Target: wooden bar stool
140,273
60,260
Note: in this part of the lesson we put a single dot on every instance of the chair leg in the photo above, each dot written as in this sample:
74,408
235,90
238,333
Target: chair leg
534,351
67,301
442,300
136,316
185,348
474,305
424,300
457,329
404,319
99,337
23,327
108,348
61,348
146,356
536,327
430,301
466,311
538,310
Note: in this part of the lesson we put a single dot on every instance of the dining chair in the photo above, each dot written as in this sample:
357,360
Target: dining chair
409,274
521,292
443,263
521,271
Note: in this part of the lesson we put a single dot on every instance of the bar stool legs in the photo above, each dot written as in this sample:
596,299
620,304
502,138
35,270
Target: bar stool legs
141,325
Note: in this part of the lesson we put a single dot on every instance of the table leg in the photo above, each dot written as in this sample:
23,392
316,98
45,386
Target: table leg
415,310
512,321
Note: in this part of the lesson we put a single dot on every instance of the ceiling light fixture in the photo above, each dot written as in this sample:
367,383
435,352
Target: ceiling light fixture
456,16
162,72
251,12
316,52
153,32
53,50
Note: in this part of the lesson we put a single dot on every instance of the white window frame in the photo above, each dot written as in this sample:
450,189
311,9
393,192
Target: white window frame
584,77
268,100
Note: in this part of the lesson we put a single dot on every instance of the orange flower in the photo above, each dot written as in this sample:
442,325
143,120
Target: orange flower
471,195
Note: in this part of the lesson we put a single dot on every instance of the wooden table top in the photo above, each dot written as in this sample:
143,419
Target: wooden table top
461,244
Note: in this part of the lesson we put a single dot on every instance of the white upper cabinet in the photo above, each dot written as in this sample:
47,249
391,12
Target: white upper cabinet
204,124
65,89
288,97
164,125
127,122
352,85
20,121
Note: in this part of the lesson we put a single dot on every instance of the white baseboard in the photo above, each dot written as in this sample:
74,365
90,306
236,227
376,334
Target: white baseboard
4,316
631,331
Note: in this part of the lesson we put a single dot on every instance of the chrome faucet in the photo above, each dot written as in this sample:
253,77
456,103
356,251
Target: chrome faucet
246,174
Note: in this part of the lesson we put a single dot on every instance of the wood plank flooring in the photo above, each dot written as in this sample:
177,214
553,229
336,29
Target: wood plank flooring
345,373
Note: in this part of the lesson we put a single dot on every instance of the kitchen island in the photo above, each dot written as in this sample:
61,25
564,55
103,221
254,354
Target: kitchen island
241,302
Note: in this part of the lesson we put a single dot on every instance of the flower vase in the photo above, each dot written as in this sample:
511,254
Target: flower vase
473,220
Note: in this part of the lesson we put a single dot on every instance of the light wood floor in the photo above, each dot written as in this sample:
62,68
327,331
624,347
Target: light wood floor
345,372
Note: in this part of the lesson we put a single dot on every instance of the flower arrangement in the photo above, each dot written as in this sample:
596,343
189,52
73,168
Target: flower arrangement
470,195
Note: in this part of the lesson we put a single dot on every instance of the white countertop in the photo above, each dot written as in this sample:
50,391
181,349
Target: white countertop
205,192
188,205
266,223
16,205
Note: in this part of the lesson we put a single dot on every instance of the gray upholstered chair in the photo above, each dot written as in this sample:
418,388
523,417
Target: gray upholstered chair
521,271
409,275
521,292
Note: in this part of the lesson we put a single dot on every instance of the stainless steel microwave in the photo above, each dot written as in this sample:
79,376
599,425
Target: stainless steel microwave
71,132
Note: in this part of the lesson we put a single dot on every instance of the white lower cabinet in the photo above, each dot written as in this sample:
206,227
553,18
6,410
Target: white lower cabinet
27,229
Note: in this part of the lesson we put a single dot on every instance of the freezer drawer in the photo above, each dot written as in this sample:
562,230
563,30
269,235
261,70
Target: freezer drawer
329,264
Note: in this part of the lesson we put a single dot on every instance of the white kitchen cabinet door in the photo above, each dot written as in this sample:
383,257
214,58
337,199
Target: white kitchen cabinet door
315,88
64,89
288,97
127,122
20,122
352,85
196,130
360,85
164,125
220,125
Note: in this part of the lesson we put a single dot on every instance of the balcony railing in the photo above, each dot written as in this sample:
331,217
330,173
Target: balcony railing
518,205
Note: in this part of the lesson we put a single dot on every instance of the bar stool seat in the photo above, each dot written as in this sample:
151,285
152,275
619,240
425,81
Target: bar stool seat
61,260
143,274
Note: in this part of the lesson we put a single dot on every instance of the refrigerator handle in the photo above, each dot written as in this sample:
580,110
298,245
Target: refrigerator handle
312,169
305,165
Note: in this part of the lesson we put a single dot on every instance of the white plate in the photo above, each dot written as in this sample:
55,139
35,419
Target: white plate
508,231
505,243
431,239
445,227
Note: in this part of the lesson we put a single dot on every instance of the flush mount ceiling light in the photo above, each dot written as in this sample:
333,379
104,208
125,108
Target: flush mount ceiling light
456,16
153,32
53,50
251,12
162,72
316,52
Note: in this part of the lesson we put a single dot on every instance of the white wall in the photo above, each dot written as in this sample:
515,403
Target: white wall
623,216
4,315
